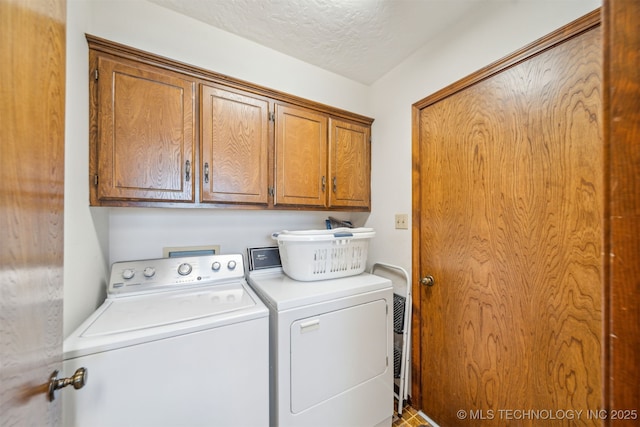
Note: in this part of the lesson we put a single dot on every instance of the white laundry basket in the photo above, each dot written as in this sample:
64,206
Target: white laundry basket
324,254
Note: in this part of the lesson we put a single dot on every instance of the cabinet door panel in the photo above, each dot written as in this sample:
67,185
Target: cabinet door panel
349,164
235,144
145,133
301,157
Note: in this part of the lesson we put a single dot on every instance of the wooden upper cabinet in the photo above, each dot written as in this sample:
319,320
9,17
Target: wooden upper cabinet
168,134
301,157
235,144
321,161
145,132
349,164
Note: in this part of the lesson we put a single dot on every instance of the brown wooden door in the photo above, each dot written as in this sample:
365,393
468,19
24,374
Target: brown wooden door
510,212
349,164
32,100
235,145
145,132
301,157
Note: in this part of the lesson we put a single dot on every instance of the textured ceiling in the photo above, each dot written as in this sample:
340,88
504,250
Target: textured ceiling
358,39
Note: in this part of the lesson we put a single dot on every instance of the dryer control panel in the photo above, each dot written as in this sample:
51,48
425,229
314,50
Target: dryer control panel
158,274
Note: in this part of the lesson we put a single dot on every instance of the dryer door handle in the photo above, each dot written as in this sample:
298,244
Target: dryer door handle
310,325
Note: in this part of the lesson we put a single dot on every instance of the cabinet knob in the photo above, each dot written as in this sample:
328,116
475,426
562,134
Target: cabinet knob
206,173
187,170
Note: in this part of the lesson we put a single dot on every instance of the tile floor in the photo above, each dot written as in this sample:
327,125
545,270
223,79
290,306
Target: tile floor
410,418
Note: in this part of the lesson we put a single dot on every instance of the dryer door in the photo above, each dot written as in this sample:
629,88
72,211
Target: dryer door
336,351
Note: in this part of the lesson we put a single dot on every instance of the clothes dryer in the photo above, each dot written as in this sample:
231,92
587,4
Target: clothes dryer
331,355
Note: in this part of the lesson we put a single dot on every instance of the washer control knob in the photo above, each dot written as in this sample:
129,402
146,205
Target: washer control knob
149,272
231,265
184,269
215,266
128,273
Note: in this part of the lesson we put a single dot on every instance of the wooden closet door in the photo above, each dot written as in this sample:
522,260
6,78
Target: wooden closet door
510,210
32,129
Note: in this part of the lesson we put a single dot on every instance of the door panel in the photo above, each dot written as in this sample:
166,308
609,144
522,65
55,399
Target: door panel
235,143
349,164
32,117
146,133
336,351
511,228
301,157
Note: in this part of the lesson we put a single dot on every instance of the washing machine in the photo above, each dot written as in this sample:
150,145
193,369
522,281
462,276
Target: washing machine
178,342
331,356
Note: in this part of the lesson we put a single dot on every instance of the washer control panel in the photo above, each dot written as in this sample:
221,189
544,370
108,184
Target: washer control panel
172,273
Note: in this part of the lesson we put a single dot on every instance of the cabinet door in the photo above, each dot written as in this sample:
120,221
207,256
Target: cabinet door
235,143
145,133
301,157
349,164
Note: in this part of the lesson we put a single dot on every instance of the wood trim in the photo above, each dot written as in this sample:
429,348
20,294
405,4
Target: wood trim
573,29
562,34
93,133
621,19
416,320
107,46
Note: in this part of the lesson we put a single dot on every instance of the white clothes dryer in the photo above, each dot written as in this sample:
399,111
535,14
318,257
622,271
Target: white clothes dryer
178,342
331,353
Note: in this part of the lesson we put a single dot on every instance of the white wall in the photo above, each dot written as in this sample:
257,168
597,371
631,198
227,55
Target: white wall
96,237
86,237
494,30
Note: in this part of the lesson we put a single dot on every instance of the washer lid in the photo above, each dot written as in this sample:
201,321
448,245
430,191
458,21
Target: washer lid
282,292
148,311
132,320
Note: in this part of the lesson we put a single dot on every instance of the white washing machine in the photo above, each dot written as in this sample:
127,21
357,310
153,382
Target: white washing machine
178,342
331,349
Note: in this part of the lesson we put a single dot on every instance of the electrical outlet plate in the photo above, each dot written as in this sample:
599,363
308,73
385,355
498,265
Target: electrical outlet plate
402,221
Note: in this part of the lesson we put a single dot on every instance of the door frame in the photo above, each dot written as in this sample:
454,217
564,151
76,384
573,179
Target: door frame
621,19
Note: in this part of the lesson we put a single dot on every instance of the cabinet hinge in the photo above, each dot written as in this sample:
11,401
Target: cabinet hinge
272,117
271,191
95,74
95,179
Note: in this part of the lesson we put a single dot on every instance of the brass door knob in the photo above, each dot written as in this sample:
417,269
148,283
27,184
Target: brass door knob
78,380
427,281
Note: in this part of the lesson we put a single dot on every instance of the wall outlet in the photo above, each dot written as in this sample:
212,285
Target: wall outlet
402,221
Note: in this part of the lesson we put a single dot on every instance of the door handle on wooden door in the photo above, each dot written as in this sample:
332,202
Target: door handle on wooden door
427,281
